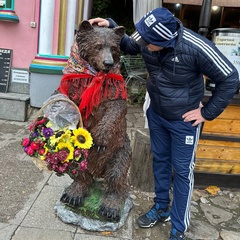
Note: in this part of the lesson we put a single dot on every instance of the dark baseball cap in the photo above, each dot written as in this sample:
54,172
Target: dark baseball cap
157,27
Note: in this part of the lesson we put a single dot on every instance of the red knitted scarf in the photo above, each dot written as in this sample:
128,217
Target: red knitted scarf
90,90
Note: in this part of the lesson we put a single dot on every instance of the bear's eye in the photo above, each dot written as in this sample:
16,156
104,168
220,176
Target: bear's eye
98,47
114,49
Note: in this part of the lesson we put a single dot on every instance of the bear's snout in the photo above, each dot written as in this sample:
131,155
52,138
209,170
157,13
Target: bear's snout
108,64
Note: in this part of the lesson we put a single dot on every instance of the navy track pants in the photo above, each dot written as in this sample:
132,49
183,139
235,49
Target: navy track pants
173,143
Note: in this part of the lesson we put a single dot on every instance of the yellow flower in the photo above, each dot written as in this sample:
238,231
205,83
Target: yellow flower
45,148
68,147
66,135
61,135
49,124
82,138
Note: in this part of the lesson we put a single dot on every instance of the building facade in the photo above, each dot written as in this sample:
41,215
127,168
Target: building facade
39,34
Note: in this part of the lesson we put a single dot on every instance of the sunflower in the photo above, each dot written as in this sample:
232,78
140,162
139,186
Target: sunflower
68,147
61,135
82,138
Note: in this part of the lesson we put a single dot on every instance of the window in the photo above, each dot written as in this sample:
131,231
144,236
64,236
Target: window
6,4
7,12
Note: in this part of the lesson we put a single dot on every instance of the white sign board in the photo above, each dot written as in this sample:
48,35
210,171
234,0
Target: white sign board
230,47
20,76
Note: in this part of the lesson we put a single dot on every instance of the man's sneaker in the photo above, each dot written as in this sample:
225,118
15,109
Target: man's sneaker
176,235
154,216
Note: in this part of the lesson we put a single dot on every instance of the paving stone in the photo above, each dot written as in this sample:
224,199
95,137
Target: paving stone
25,233
42,214
214,214
224,202
199,230
7,230
229,235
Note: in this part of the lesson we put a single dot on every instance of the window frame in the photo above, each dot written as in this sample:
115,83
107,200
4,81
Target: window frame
9,5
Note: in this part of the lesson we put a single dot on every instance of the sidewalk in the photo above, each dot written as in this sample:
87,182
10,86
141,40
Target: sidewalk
28,197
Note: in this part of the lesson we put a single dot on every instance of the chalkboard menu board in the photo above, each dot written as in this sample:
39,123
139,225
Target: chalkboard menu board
5,66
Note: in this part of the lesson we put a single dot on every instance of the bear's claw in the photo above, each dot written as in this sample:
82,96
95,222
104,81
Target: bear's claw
109,214
71,201
103,148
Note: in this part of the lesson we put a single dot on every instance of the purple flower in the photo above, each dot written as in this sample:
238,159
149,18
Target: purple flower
47,132
34,134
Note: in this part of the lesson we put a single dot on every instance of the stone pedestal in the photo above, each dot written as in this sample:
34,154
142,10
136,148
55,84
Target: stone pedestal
86,216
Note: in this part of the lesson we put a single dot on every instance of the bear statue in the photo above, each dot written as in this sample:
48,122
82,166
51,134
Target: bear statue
92,80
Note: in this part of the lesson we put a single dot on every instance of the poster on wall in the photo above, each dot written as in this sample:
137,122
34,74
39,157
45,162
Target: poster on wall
5,66
230,47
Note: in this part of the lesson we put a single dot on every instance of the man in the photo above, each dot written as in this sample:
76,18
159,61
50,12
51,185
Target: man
176,59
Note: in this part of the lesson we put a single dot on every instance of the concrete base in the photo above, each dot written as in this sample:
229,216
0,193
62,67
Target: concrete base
42,87
13,106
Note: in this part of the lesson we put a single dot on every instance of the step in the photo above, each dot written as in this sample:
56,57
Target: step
14,106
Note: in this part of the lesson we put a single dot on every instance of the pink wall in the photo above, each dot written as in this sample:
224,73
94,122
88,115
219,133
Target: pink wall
20,36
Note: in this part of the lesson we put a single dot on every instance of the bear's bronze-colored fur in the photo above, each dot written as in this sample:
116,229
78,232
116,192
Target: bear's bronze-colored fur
110,156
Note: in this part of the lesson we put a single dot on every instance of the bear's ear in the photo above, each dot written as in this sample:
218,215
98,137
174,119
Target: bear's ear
85,26
120,31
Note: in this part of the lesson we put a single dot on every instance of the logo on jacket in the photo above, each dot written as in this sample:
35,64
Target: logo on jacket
175,59
189,140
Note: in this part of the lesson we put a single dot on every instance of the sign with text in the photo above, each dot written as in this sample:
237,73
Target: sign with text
20,76
5,65
230,47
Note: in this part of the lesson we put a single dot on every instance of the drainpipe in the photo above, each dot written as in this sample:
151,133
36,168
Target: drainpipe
205,17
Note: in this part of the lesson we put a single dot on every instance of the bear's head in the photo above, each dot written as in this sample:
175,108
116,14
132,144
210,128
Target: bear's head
99,46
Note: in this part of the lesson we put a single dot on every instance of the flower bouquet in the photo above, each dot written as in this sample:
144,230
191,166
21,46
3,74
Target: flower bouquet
62,150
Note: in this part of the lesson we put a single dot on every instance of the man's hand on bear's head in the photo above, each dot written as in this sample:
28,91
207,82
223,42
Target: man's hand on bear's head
101,22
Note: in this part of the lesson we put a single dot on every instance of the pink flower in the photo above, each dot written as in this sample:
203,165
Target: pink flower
74,171
29,151
62,155
85,152
41,151
83,165
66,164
61,169
34,146
31,126
25,142
42,121
77,153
